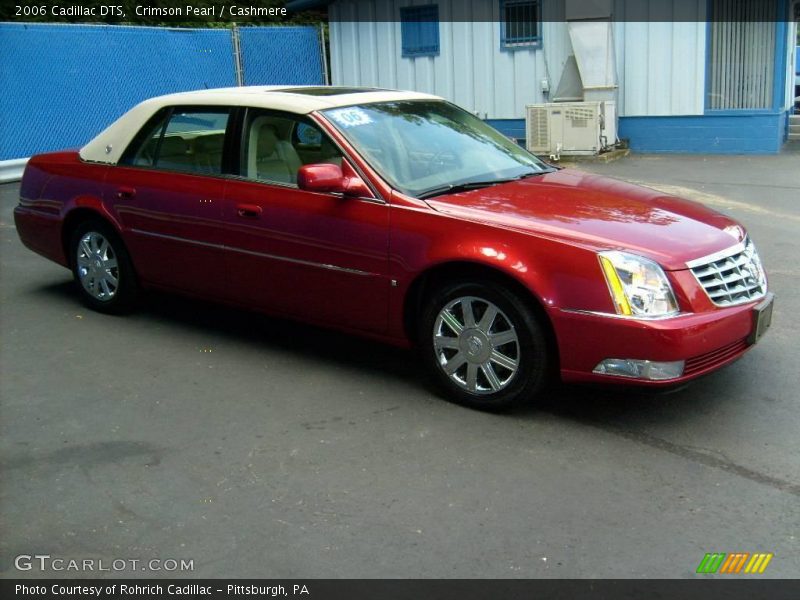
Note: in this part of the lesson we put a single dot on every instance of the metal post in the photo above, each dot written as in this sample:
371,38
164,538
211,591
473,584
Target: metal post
237,55
325,75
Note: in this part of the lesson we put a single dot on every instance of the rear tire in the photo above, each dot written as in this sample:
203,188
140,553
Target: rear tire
483,345
102,268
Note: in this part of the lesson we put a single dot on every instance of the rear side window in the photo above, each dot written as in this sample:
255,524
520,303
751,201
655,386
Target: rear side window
189,140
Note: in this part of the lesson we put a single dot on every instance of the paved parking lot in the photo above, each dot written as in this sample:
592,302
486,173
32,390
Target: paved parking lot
262,448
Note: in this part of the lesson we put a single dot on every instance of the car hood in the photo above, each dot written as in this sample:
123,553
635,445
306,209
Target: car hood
601,213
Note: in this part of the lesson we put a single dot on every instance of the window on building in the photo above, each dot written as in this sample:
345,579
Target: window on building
520,23
741,62
419,27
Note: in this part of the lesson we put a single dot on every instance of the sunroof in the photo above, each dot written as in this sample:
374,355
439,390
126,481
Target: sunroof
328,90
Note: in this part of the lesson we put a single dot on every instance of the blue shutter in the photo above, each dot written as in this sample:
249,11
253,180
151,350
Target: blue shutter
419,27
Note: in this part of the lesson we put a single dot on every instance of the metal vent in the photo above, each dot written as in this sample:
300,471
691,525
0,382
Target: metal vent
538,131
733,276
579,114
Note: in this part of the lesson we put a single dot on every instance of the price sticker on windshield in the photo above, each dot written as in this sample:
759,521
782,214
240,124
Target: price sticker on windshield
350,117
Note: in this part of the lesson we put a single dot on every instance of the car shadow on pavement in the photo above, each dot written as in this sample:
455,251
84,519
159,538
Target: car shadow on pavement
605,407
591,403
257,329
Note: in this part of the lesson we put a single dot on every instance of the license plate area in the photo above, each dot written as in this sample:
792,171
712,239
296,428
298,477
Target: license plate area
762,318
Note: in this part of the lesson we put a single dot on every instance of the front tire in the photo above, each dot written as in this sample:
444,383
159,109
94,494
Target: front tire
102,268
483,345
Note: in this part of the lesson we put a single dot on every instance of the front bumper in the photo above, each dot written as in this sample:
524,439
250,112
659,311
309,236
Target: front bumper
705,341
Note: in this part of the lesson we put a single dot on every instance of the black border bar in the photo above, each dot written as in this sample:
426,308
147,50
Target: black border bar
243,12
701,588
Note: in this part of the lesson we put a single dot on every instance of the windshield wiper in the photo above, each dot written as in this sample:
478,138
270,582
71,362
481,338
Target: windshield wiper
454,188
460,187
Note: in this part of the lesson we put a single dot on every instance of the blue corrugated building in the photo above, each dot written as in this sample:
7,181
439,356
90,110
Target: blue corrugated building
697,76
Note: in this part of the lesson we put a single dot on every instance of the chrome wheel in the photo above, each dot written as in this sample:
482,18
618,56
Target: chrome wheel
476,345
97,267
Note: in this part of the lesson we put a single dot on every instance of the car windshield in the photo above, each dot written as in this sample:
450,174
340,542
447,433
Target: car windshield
427,147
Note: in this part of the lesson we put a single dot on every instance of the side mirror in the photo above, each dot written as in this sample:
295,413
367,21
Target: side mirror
326,178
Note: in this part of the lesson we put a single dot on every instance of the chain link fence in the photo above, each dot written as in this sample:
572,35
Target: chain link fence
63,84
281,55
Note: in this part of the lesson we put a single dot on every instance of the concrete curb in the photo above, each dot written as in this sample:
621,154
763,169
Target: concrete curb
11,170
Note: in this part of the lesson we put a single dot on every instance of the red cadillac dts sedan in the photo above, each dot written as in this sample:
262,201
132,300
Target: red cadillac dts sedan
400,216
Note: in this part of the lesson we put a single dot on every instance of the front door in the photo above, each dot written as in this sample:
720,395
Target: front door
321,257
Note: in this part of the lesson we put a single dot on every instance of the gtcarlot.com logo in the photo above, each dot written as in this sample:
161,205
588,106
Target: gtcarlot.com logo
735,563
45,562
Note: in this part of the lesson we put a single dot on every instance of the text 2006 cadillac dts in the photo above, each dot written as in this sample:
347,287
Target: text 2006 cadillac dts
402,217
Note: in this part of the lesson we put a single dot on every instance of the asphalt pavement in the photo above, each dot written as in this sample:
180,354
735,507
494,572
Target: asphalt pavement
256,447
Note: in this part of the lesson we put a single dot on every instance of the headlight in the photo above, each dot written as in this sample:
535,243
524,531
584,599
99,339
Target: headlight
638,285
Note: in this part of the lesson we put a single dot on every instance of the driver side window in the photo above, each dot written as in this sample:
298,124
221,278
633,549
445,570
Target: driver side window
277,145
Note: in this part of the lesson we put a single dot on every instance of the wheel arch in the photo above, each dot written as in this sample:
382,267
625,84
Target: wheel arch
465,270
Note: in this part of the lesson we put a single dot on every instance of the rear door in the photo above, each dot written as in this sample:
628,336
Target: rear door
167,192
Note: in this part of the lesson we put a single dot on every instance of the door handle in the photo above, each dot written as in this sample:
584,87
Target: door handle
251,211
126,192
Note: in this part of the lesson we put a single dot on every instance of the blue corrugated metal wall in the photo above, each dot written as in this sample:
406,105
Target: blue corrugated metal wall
63,84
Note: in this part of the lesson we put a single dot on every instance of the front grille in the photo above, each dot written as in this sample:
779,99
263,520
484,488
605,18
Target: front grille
715,358
732,277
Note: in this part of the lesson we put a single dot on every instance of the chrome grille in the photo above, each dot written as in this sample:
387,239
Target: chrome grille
731,277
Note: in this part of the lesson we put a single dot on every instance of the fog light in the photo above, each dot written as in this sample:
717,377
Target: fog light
640,369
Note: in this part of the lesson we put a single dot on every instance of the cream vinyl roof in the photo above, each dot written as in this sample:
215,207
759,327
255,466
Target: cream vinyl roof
109,145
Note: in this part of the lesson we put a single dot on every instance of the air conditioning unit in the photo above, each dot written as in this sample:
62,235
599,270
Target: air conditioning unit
570,128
